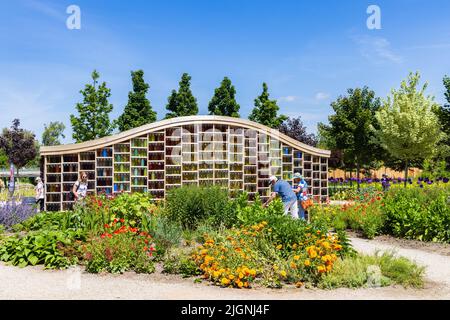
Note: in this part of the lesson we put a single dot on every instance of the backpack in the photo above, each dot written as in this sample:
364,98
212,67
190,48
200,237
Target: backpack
72,195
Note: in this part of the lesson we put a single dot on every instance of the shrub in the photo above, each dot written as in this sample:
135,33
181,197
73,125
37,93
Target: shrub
191,205
120,249
165,233
43,247
419,214
179,261
357,271
12,213
366,216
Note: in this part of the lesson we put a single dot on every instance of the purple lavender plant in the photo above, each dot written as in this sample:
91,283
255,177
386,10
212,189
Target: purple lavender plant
12,213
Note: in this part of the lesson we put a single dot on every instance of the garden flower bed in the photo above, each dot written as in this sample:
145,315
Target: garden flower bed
231,243
420,213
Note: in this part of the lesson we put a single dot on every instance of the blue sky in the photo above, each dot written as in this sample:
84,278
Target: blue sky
308,52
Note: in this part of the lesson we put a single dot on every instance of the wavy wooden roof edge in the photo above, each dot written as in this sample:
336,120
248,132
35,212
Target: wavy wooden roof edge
167,123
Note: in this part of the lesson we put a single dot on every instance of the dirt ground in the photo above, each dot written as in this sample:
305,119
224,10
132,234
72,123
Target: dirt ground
37,283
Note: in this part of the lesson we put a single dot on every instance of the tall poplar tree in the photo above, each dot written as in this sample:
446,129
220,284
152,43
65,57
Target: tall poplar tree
182,103
93,113
223,103
138,110
266,110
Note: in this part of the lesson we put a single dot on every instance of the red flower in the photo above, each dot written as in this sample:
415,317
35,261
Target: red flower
106,225
145,249
103,236
122,220
109,235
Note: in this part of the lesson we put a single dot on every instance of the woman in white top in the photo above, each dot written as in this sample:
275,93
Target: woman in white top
80,187
39,194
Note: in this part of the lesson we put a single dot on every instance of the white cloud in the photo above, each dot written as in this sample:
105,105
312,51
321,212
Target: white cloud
377,49
320,96
288,99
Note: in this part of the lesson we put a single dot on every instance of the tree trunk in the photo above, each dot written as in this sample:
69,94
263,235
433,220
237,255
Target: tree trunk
358,169
406,172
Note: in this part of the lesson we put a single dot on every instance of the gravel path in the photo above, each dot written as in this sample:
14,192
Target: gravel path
437,266
36,283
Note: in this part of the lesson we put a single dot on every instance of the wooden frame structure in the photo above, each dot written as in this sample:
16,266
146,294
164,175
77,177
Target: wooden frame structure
197,150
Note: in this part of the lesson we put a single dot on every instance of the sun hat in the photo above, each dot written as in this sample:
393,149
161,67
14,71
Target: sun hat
272,178
297,175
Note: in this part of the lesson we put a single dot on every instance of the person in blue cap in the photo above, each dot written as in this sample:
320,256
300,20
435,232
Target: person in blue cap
288,197
301,190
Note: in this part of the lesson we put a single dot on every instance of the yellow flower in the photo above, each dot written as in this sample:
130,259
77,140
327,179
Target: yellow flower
253,272
241,275
279,247
275,267
216,274
245,284
321,269
240,284
296,258
225,281
294,246
231,277
307,263
299,284
293,265
283,273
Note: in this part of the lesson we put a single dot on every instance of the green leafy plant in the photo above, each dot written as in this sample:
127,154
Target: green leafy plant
190,205
41,247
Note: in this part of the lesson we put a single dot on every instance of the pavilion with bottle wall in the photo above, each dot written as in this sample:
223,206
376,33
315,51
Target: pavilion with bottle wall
233,153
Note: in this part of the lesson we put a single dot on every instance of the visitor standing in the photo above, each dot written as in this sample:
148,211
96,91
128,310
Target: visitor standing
80,187
39,189
288,197
301,190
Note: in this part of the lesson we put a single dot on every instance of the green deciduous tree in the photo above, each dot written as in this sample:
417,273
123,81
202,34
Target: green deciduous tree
19,145
182,103
3,159
266,110
138,111
407,127
443,113
223,103
350,128
93,120
52,133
